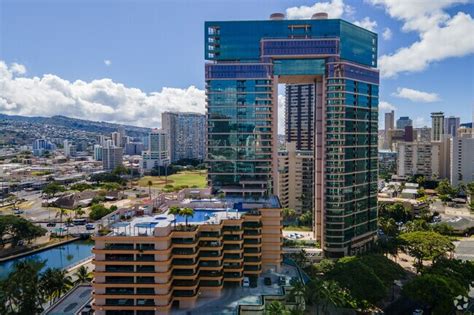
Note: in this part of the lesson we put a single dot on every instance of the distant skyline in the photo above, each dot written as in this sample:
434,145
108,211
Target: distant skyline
128,61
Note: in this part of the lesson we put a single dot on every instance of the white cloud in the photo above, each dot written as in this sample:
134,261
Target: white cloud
334,9
386,106
420,122
367,23
387,34
107,62
101,99
416,96
441,36
17,68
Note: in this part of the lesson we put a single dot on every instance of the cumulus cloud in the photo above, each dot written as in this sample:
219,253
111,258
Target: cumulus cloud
101,99
334,8
441,36
367,23
387,34
107,62
386,106
416,96
17,68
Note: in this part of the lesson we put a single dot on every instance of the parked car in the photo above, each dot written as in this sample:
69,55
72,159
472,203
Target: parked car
246,282
267,281
51,224
90,226
18,211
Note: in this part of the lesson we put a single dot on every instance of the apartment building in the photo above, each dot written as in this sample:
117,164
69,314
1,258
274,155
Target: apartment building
462,157
296,178
187,135
112,157
157,154
299,115
152,265
417,158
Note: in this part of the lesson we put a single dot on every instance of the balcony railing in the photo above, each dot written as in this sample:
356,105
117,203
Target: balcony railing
119,246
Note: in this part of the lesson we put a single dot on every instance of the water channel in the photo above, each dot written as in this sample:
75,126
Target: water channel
62,256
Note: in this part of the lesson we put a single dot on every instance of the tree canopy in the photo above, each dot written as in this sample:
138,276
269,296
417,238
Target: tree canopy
18,228
435,291
425,245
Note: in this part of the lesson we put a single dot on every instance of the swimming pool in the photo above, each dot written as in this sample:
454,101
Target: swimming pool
200,215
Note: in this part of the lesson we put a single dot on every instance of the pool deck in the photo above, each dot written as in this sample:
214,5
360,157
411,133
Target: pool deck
72,302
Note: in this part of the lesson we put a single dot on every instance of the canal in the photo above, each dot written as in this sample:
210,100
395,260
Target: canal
62,256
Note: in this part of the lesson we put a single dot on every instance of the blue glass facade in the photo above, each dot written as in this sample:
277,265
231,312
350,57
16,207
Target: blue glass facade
247,61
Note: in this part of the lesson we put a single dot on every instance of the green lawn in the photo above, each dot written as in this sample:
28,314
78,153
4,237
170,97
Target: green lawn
188,178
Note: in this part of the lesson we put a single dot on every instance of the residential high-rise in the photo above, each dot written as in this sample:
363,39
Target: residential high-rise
451,125
187,135
414,158
462,159
134,148
248,59
67,148
404,121
117,139
296,181
97,152
437,126
157,155
112,156
389,125
299,115
40,146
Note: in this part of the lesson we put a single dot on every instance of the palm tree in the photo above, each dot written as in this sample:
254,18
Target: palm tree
55,282
276,308
60,213
174,211
326,293
186,212
82,275
149,183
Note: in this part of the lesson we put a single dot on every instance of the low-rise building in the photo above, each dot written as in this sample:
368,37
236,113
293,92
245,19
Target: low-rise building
153,263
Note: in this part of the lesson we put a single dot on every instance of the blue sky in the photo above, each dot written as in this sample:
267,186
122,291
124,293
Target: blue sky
134,59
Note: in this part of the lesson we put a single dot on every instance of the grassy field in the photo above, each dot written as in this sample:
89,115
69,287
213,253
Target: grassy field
188,178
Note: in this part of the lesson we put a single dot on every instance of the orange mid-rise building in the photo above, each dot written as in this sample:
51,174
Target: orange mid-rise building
151,264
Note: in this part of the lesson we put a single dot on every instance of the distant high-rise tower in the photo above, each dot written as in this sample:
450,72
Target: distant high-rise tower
157,154
389,125
299,115
187,135
451,125
404,121
112,157
437,126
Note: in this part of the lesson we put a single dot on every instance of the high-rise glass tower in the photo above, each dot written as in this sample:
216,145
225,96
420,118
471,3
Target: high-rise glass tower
247,60
437,126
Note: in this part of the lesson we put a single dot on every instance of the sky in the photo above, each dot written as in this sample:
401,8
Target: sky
128,61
